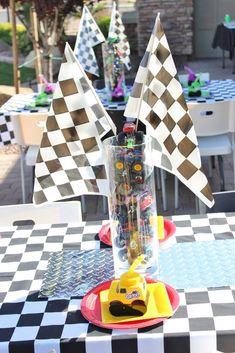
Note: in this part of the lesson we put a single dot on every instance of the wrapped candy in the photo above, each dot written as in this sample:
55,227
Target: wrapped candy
132,202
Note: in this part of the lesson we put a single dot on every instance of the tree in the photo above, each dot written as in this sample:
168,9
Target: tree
51,15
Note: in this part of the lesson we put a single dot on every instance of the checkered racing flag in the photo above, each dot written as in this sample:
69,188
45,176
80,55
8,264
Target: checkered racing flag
89,35
157,100
70,160
117,30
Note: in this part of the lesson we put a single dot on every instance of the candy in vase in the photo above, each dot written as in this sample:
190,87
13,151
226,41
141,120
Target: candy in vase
114,74
132,203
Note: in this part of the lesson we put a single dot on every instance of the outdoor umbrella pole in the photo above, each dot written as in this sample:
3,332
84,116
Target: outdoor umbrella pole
15,47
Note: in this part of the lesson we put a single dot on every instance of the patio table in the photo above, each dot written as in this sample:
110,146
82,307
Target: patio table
19,103
224,38
219,90
203,322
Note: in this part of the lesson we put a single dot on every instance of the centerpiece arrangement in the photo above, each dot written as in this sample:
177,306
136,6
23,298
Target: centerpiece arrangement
74,160
116,57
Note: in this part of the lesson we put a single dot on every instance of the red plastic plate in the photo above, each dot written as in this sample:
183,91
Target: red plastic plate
169,229
91,309
105,234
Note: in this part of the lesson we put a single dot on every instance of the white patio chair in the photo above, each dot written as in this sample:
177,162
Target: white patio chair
28,129
214,129
224,202
56,212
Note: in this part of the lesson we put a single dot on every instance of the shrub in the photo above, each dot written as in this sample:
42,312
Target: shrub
24,43
6,74
103,23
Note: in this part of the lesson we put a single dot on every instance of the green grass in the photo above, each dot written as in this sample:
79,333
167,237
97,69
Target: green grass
6,74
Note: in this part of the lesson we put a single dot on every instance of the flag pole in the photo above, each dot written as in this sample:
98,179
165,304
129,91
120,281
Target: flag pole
16,72
142,88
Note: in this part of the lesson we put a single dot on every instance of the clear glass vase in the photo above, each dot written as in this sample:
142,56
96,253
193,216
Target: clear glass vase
114,73
132,205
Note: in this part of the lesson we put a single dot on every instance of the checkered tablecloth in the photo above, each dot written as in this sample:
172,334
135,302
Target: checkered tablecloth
204,321
17,103
219,90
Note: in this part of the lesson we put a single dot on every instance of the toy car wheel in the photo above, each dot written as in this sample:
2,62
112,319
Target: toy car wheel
122,255
115,307
119,242
139,305
149,254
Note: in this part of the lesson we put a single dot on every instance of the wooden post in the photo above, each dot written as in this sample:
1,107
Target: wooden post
15,48
36,47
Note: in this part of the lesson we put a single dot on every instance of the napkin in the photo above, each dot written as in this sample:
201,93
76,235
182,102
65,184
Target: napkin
157,100
70,160
117,30
89,35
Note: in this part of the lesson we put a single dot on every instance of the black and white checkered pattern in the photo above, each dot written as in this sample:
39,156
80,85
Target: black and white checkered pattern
220,90
70,160
89,35
117,30
16,103
203,322
7,134
157,100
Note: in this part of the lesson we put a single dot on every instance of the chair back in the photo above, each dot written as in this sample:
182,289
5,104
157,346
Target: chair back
224,202
28,128
211,119
56,212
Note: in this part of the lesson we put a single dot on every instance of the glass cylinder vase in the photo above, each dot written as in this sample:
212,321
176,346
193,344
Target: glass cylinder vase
132,205
114,73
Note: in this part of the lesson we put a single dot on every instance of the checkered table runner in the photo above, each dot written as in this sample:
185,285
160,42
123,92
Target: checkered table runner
220,90
17,103
204,321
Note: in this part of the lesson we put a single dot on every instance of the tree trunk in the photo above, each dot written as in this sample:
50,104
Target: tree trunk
47,64
36,47
16,71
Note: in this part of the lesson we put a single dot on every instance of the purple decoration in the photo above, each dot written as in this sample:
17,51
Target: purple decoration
49,88
118,90
191,74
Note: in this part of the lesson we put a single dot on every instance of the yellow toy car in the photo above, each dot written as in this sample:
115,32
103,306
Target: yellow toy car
129,295
132,296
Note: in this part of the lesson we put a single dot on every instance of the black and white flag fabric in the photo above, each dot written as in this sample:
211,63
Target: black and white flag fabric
89,35
157,100
117,31
71,157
